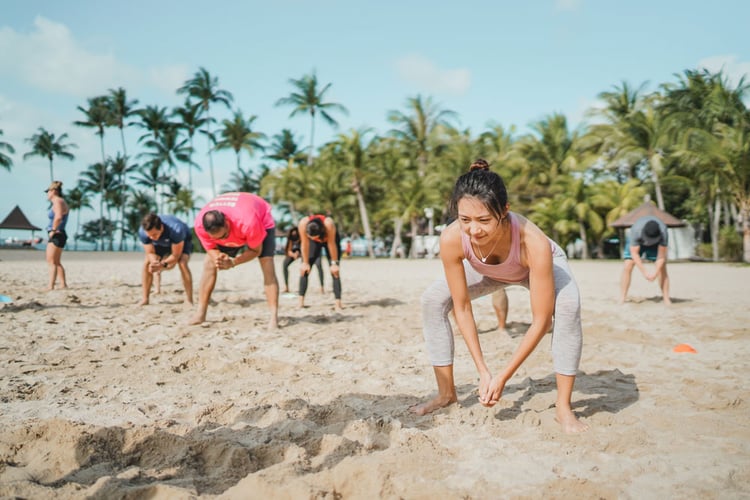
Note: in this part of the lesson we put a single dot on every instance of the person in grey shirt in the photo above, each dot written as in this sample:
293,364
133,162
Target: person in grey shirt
647,240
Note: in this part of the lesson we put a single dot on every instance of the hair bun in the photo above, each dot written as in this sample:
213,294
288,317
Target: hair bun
479,164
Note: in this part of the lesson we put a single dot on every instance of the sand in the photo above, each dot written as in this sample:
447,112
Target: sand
100,398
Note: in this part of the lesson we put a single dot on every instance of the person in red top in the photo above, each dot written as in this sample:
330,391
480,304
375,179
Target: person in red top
229,223
317,232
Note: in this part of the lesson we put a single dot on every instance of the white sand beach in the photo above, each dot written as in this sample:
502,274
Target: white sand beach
101,398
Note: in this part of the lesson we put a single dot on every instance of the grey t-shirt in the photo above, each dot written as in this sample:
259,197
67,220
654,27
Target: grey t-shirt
636,231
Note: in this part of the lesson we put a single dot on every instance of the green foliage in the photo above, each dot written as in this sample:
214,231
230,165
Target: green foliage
730,244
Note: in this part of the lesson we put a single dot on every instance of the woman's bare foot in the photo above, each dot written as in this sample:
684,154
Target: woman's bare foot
273,323
434,404
143,302
197,319
569,422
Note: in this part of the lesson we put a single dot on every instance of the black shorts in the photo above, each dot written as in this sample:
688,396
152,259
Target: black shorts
163,251
268,248
58,239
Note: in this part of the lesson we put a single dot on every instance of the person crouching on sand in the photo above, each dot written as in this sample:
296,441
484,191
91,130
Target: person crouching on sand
488,248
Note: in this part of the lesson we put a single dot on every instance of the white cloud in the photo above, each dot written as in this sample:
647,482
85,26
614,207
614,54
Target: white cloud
733,69
168,78
423,73
568,5
50,58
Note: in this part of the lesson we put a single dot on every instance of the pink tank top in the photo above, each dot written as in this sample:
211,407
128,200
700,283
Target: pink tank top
508,271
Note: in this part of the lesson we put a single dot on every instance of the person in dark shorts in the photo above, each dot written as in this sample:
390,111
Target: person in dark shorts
235,228
58,218
316,233
647,241
167,242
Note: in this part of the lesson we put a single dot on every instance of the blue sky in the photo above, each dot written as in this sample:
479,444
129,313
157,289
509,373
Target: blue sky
504,62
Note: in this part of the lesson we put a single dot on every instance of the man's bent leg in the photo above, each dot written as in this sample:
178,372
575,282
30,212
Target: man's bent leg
271,288
664,284
187,278
500,304
146,281
208,282
627,271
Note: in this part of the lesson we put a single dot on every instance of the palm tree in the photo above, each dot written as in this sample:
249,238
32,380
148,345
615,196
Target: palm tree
121,170
6,161
284,148
44,144
308,98
98,179
121,109
237,134
77,199
354,149
190,122
420,126
205,89
155,120
245,181
98,115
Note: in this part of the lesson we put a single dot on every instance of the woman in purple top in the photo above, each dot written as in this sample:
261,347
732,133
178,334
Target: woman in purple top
486,249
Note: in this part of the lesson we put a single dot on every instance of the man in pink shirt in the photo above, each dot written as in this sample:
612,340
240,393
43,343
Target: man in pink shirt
227,224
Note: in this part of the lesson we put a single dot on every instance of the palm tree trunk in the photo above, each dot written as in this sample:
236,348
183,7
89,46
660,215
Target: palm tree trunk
364,217
715,222
413,246
210,158
582,233
51,173
312,138
101,191
398,225
745,211
78,227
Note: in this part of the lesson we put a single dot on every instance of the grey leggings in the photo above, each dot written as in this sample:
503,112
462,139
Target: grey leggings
567,337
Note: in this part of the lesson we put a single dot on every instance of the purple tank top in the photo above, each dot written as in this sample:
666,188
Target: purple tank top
508,271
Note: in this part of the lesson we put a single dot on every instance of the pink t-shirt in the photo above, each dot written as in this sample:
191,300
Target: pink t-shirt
248,216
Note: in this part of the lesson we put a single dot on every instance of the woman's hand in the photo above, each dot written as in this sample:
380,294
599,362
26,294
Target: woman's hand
485,379
493,391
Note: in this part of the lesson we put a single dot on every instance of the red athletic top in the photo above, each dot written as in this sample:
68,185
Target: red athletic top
322,218
247,215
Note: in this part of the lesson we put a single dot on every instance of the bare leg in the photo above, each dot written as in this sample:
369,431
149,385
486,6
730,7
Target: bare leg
446,395
627,271
271,288
56,270
147,278
563,412
208,282
187,278
157,283
500,304
664,284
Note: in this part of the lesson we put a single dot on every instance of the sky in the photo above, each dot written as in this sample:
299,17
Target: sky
492,62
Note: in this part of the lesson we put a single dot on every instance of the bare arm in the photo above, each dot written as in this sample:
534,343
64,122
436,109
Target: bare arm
171,260
538,257
333,250
451,253
661,261
58,207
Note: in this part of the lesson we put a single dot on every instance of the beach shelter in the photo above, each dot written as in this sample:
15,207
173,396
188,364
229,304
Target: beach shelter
647,208
17,220
681,241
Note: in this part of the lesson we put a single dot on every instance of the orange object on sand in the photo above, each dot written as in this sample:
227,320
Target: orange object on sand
684,348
